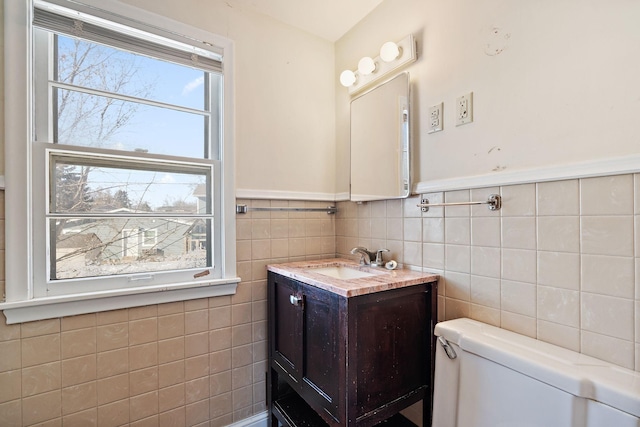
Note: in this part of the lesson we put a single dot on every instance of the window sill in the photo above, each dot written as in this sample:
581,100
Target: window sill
71,305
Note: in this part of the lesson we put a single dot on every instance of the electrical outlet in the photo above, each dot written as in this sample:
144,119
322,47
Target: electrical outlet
464,109
435,118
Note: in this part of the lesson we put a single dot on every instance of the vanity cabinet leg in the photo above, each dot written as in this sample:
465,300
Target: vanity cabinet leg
272,421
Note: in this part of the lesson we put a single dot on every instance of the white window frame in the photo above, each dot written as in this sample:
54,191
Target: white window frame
21,269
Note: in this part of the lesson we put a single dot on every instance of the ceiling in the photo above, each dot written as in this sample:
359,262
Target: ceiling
328,19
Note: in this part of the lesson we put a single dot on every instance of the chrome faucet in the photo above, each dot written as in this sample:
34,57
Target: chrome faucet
366,256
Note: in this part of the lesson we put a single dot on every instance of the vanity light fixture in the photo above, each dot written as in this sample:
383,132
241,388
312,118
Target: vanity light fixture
366,66
389,51
392,56
347,78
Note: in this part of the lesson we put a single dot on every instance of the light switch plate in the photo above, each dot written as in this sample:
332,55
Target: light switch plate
435,118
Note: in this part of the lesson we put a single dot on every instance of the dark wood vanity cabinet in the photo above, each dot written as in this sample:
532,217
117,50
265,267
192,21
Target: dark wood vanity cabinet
348,361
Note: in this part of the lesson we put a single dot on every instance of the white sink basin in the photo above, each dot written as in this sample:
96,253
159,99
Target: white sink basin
342,272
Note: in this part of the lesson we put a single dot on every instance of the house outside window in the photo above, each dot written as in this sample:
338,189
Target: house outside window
128,140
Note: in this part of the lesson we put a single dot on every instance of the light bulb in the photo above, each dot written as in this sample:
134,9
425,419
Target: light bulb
366,66
389,51
347,78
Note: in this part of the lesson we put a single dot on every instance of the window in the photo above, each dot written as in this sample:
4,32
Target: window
150,238
127,152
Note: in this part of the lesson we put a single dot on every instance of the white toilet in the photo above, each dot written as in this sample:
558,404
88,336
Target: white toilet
489,377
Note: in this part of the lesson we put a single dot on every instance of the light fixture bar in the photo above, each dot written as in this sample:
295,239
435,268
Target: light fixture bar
407,55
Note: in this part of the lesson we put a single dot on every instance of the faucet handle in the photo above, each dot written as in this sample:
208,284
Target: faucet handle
379,260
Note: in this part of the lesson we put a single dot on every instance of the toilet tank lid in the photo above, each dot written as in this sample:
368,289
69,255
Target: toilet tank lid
573,372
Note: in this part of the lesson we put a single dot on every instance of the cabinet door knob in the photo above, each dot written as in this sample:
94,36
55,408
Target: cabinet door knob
295,300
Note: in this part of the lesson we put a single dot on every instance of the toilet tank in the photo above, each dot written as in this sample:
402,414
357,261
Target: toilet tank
502,379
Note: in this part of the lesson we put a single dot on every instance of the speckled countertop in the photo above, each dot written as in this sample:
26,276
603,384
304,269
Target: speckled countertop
381,280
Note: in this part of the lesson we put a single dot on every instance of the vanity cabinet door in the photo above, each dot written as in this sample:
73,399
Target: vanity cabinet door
391,341
308,343
323,349
288,306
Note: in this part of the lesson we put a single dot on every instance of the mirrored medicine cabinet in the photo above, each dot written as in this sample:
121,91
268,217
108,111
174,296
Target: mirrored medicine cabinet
380,142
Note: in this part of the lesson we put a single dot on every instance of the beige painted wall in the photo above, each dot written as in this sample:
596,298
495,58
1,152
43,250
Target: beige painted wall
284,86
553,82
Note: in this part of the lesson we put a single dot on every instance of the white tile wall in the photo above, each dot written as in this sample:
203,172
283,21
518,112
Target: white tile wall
560,261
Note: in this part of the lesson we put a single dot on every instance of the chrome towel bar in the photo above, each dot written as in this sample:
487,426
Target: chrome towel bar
242,209
494,203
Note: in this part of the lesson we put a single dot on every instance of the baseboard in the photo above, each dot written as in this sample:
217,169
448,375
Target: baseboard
258,420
